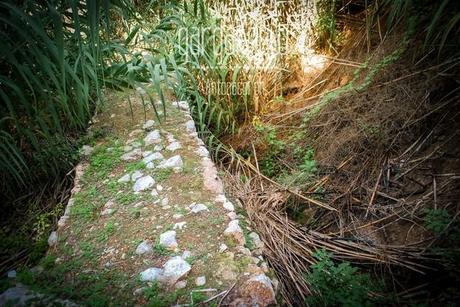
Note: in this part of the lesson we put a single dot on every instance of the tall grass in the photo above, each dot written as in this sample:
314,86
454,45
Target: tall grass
53,57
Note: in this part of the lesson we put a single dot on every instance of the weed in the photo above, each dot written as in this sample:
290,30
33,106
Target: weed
132,167
156,297
160,250
108,230
436,220
338,284
163,174
126,198
198,297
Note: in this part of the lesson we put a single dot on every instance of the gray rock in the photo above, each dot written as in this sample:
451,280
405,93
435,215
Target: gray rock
232,215
190,126
125,178
173,162
53,239
202,151
148,124
195,208
165,201
168,240
200,281
146,153
153,157
153,137
151,274
180,284
144,248
136,144
86,150
229,206
132,155
136,175
234,230
179,225
150,165
143,183
158,147
256,240
222,248
186,255
181,105
11,274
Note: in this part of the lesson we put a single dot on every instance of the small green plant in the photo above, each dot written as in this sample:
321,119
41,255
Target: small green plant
163,174
436,220
338,284
308,164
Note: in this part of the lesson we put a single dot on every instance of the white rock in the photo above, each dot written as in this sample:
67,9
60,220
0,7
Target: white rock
200,281
202,151
158,147
173,162
153,137
136,175
144,248
151,274
153,157
229,206
210,179
177,216
154,193
179,225
86,150
174,146
168,240
53,239
174,269
136,144
190,126
125,178
170,137
148,124
150,165
143,183
195,208
159,188
164,201
222,248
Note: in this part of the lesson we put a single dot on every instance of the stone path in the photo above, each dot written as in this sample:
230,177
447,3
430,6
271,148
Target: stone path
149,222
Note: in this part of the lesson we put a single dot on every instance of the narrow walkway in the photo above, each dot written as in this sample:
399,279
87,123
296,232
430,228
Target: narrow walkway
149,223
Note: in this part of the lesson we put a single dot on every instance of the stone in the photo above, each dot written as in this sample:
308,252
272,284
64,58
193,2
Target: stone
11,274
202,151
86,150
186,254
151,274
125,178
136,175
136,144
159,188
190,126
132,155
144,248
232,215
139,291
256,240
210,179
181,105
127,148
164,202
150,165
154,193
153,157
53,239
220,198
158,147
173,162
143,183
229,206
222,248
146,153
148,125
200,281
257,291
195,208
177,216
174,269
179,225
174,146
234,230
168,240
180,284
153,137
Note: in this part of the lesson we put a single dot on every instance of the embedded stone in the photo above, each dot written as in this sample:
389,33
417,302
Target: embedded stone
153,137
195,208
144,248
168,240
173,162
148,124
143,183
153,157
234,230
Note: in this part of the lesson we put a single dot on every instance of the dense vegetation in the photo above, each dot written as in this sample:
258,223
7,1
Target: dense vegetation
57,58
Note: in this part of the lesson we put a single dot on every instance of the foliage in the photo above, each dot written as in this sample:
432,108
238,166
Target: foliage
338,284
325,29
436,220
